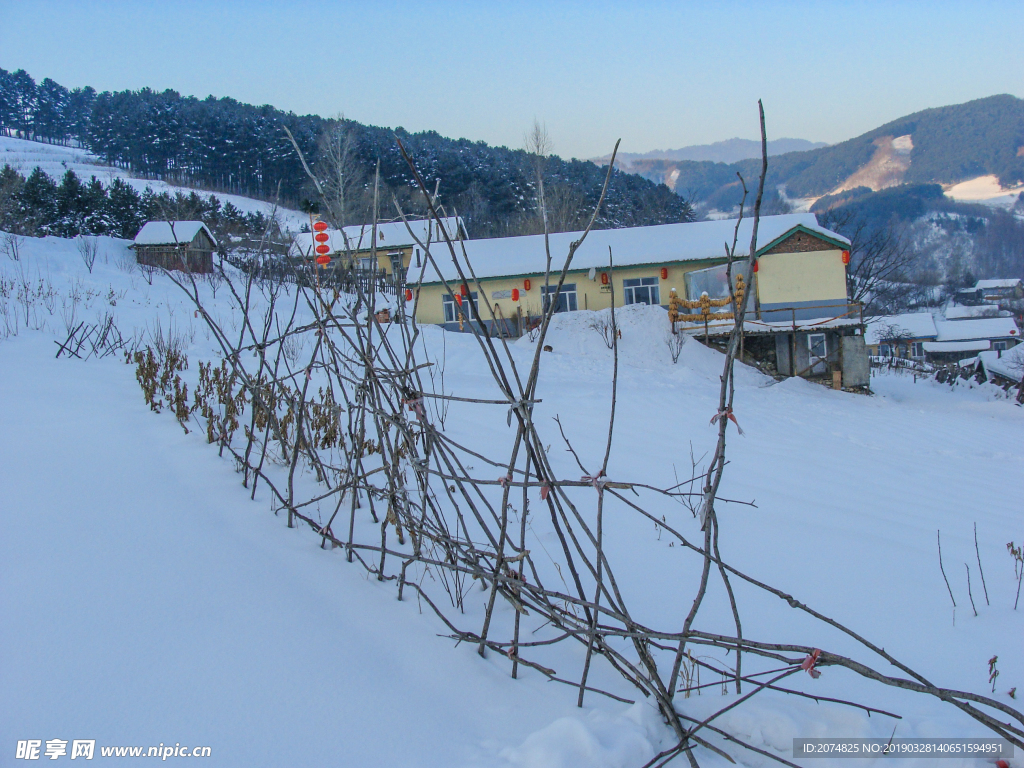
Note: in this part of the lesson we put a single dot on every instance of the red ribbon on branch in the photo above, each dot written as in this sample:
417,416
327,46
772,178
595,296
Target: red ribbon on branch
415,404
727,414
809,662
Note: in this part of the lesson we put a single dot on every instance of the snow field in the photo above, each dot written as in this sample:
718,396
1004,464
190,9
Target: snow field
146,599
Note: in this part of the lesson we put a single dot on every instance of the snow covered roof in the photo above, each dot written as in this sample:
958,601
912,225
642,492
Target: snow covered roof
1009,364
965,313
659,244
980,328
957,346
161,233
916,325
988,285
392,234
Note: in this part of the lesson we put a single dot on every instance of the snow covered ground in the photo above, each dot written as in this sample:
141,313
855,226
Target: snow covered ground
986,190
144,599
55,160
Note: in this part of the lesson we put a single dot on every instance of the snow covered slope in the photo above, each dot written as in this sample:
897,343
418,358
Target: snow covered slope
55,160
145,599
986,190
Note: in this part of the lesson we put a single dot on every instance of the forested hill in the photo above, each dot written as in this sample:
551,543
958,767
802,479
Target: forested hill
224,145
950,144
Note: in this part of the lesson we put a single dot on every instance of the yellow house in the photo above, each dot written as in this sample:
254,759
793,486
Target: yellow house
801,271
799,306
393,252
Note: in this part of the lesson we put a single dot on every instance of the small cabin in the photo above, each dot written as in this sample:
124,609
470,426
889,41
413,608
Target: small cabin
186,246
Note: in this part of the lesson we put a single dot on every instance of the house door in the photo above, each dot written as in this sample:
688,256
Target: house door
817,349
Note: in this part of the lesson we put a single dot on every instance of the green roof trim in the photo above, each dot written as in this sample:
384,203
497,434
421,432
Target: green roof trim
806,230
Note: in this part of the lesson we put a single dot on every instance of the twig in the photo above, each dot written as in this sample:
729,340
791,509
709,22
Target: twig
978,553
938,535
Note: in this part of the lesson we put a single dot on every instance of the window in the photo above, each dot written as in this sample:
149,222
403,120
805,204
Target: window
642,290
714,280
816,344
366,263
884,350
999,345
917,349
566,298
818,353
452,310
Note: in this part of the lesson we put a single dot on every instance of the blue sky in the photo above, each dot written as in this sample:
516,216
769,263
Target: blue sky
658,75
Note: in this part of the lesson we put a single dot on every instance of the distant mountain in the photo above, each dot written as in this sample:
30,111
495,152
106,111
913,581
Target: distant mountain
945,145
728,151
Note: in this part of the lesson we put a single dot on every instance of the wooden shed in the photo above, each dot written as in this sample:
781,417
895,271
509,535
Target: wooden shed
186,246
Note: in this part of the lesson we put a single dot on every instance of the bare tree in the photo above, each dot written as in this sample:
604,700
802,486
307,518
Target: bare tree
10,244
881,260
538,146
88,247
604,326
565,207
338,169
674,342
894,336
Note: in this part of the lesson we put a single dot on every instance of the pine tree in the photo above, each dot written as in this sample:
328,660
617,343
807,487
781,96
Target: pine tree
124,210
38,203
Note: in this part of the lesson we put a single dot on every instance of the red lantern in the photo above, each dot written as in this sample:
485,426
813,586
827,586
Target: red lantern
604,278
464,290
515,294
458,299
408,294
320,226
526,285
664,273
321,237
322,260
323,249
846,257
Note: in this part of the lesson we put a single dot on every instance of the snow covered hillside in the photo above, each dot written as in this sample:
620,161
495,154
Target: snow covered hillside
145,599
55,160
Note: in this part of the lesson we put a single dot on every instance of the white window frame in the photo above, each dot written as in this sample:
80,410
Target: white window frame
916,349
817,362
567,294
648,286
824,345
451,309
999,346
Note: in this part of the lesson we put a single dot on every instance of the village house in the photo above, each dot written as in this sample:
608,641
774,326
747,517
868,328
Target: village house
394,253
1002,367
997,290
993,291
954,312
799,315
923,337
186,246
